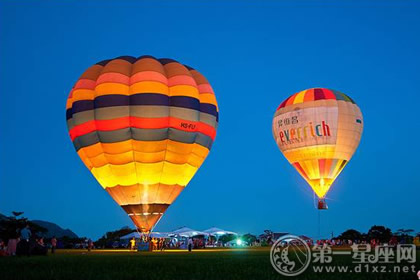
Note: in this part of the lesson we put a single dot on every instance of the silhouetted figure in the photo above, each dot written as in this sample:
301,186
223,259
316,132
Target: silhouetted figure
2,248
163,245
90,244
37,247
190,244
24,243
53,244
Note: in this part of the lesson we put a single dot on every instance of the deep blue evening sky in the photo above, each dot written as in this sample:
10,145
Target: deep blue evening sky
254,55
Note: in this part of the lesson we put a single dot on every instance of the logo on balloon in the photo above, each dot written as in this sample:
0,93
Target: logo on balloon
301,133
300,128
188,125
290,255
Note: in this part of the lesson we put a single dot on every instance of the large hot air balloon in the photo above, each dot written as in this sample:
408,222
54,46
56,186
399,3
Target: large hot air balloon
143,126
318,131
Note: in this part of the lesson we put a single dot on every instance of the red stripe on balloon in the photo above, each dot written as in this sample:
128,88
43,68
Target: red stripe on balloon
181,80
282,104
85,84
300,169
145,123
321,163
205,88
318,94
148,76
329,94
113,78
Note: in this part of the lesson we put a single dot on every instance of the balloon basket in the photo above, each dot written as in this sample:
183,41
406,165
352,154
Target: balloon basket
322,204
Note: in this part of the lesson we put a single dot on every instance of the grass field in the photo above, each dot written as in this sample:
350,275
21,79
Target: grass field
200,264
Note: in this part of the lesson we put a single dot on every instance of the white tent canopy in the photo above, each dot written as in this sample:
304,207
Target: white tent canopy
137,235
218,231
182,232
187,232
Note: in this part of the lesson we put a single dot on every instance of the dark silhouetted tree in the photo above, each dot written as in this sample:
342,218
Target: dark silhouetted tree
351,234
404,235
111,236
10,226
381,233
249,238
227,238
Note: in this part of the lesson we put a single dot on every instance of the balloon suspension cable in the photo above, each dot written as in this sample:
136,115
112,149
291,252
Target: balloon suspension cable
319,215
156,223
315,200
143,233
139,232
319,224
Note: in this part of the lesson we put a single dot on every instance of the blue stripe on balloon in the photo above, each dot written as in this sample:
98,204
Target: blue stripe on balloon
155,99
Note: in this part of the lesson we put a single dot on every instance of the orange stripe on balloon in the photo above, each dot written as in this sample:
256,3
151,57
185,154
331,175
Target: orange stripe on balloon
291,99
144,123
327,168
309,95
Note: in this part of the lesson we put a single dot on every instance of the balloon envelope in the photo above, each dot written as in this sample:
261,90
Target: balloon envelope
318,130
143,126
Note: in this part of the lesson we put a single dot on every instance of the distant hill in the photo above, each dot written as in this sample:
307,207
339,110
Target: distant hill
55,230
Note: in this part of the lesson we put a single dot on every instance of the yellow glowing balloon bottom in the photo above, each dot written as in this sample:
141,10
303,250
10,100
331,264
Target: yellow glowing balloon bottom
321,186
144,177
318,165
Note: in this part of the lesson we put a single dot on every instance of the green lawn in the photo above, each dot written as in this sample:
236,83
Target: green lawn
204,264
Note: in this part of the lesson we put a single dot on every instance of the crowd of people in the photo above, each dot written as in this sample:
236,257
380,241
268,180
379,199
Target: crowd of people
343,242
26,244
153,243
374,242
188,243
160,244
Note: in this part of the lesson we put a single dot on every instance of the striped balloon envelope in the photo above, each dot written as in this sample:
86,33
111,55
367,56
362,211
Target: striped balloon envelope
318,130
143,126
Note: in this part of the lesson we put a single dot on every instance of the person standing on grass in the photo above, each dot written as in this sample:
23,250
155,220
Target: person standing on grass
132,243
150,244
90,244
190,244
154,242
25,235
163,244
12,246
2,248
40,242
53,244
160,243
